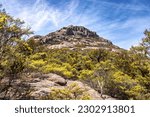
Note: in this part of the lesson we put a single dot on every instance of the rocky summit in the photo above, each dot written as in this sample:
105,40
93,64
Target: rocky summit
75,37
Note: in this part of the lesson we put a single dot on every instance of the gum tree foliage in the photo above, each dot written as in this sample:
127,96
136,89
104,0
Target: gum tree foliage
12,46
144,47
13,49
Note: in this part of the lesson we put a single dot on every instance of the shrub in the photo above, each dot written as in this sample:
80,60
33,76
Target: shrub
71,92
36,64
123,86
37,56
58,69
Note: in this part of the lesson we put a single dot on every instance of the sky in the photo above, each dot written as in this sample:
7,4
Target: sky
120,21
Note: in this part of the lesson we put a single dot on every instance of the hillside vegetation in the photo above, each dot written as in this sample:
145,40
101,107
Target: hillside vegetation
123,74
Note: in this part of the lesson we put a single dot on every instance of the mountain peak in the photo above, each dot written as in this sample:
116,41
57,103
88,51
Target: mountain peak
79,31
75,37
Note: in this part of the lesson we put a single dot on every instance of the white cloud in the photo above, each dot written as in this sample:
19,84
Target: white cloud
40,13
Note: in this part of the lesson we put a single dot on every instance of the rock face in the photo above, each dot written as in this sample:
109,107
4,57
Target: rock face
37,85
42,87
74,37
77,31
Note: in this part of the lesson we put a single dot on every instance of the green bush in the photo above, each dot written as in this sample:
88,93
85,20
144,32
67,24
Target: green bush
58,69
71,92
37,56
36,64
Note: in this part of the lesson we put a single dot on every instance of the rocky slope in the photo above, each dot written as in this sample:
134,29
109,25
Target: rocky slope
37,85
75,37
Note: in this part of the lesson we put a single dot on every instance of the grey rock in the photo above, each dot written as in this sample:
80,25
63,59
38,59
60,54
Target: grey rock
37,88
74,37
57,79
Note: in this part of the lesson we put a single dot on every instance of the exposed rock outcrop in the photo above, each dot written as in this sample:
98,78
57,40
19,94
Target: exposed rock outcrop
37,86
77,31
75,37
42,87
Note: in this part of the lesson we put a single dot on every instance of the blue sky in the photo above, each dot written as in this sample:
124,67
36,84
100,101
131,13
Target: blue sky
121,21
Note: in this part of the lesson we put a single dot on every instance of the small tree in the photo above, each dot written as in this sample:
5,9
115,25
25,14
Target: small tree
71,92
144,47
102,75
12,32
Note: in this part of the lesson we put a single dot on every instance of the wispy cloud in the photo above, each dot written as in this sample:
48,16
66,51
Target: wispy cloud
121,22
39,14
